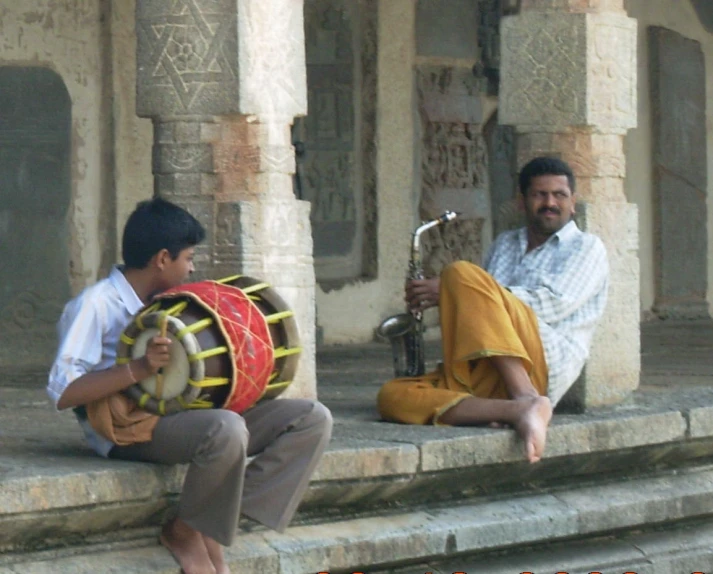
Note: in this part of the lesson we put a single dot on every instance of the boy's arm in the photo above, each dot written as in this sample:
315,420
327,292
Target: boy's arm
99,384
73,379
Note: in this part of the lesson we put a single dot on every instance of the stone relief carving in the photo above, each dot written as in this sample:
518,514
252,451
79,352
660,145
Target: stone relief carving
454,164
544,78
187,48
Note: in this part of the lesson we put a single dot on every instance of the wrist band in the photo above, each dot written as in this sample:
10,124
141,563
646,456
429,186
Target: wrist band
131,373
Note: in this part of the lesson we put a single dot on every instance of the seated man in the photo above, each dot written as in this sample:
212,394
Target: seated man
515,336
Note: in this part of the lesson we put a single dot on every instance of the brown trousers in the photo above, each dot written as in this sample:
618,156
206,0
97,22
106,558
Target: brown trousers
287,438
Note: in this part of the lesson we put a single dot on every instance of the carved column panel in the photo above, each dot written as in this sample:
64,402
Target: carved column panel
222,81
454,165
569,89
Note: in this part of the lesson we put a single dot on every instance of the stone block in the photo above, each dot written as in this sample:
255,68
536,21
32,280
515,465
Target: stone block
271,50
680,174
572,5
187,58
360,542
700,422
491,525
444,29
366,459
625,506
568,69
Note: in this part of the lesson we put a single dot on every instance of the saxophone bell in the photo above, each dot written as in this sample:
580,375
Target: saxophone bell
406,348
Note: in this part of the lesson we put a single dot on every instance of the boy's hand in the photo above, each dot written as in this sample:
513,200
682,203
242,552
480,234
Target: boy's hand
422,293
157,355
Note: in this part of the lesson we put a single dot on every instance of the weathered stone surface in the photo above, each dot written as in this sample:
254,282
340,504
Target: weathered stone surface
187,58
680,173
271,52
490,524
562,69
369,459
35,183
444,28
572,6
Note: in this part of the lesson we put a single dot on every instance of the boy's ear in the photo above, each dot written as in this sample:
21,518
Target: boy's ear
161,259
520,201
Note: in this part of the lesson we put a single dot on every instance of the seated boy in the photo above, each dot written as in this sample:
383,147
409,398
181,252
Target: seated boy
287,437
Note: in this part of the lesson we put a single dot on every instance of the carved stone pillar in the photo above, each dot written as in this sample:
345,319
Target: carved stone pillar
222,81
569,88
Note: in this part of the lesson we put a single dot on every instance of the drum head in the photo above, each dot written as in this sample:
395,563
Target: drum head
175,374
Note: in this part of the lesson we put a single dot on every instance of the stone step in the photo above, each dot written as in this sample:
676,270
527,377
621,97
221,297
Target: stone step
459,535
56,493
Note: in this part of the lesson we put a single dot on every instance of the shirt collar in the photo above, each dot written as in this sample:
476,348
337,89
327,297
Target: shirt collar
568,232
126,291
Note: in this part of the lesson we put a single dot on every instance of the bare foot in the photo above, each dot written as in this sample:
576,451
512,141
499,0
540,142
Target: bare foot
532,426
215,551
187,547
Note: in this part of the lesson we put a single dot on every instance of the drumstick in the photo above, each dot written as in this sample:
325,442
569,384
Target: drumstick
159,374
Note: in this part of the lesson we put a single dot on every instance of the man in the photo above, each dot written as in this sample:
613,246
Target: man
516,337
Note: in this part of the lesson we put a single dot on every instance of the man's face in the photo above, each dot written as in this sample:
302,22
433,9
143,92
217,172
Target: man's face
549,204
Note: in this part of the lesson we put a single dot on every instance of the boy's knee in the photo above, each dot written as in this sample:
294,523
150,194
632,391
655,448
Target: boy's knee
229,431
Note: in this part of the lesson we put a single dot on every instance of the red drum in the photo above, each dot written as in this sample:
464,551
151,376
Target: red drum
222,355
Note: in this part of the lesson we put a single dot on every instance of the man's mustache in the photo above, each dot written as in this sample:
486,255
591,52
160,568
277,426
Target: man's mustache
554,210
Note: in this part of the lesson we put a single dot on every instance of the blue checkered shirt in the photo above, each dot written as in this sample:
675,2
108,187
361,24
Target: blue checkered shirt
565,281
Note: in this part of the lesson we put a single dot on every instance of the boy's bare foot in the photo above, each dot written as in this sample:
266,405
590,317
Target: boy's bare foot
215,551
187,547
532,426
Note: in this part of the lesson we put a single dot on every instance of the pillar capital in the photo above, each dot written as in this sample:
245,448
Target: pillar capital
566,69
220,57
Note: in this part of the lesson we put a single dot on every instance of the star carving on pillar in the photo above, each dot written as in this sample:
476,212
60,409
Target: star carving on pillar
187,49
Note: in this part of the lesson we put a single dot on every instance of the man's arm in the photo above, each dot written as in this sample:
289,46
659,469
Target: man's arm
561,294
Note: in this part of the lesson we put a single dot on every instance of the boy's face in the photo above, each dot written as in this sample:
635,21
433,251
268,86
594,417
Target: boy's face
176,271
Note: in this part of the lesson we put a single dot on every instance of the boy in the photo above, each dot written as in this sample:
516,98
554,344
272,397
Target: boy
287,436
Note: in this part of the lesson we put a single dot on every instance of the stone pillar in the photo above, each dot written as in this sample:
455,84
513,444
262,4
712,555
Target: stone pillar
568,86
222,81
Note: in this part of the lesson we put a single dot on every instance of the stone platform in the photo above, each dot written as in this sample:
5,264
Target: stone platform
632,484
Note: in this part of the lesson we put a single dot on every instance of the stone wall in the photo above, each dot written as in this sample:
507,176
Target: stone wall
70,40
639,183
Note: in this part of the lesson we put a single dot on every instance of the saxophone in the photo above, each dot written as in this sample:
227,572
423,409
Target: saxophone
405,330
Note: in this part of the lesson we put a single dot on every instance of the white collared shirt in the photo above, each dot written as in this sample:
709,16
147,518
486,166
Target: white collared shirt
89,331
565,281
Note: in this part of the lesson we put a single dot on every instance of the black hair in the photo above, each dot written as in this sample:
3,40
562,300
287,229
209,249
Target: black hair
157,224
544,166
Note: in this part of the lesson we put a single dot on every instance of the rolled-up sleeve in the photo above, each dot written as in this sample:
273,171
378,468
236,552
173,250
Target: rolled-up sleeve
80,346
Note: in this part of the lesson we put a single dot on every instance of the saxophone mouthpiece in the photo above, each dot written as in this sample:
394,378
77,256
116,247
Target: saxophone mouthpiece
448,216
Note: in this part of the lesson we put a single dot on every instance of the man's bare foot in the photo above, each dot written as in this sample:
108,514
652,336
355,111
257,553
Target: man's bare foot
215,551
532,426
187,547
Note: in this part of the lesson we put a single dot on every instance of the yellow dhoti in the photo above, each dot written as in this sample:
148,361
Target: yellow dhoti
479,319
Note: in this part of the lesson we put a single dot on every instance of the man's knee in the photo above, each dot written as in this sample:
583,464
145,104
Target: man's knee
466,273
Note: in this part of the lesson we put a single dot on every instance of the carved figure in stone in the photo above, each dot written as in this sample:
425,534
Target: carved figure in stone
516,332
159,244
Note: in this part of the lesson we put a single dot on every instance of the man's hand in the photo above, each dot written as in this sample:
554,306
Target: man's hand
157,355
422,293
